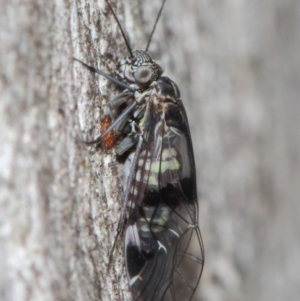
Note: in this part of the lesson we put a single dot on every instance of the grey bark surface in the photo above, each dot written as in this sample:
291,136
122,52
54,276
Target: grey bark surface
237,65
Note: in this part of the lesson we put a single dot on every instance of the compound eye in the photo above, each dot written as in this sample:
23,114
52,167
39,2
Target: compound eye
143,74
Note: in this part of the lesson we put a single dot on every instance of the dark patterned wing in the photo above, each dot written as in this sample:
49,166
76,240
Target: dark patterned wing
163,245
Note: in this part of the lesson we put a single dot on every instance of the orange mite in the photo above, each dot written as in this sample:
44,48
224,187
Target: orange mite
109,140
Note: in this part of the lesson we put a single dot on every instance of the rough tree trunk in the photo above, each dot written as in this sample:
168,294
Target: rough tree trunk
237,65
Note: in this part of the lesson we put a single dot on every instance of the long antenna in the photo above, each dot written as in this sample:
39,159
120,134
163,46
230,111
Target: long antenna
109,77
123,34
157,18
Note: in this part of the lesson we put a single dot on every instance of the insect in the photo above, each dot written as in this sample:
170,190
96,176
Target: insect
164,251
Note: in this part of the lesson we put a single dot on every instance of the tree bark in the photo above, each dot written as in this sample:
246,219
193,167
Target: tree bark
237,65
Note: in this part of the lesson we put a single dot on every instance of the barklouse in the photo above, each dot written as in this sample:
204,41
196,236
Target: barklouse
164,252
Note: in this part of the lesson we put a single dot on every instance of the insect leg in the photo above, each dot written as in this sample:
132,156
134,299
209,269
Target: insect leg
115,124
117,101
126,144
